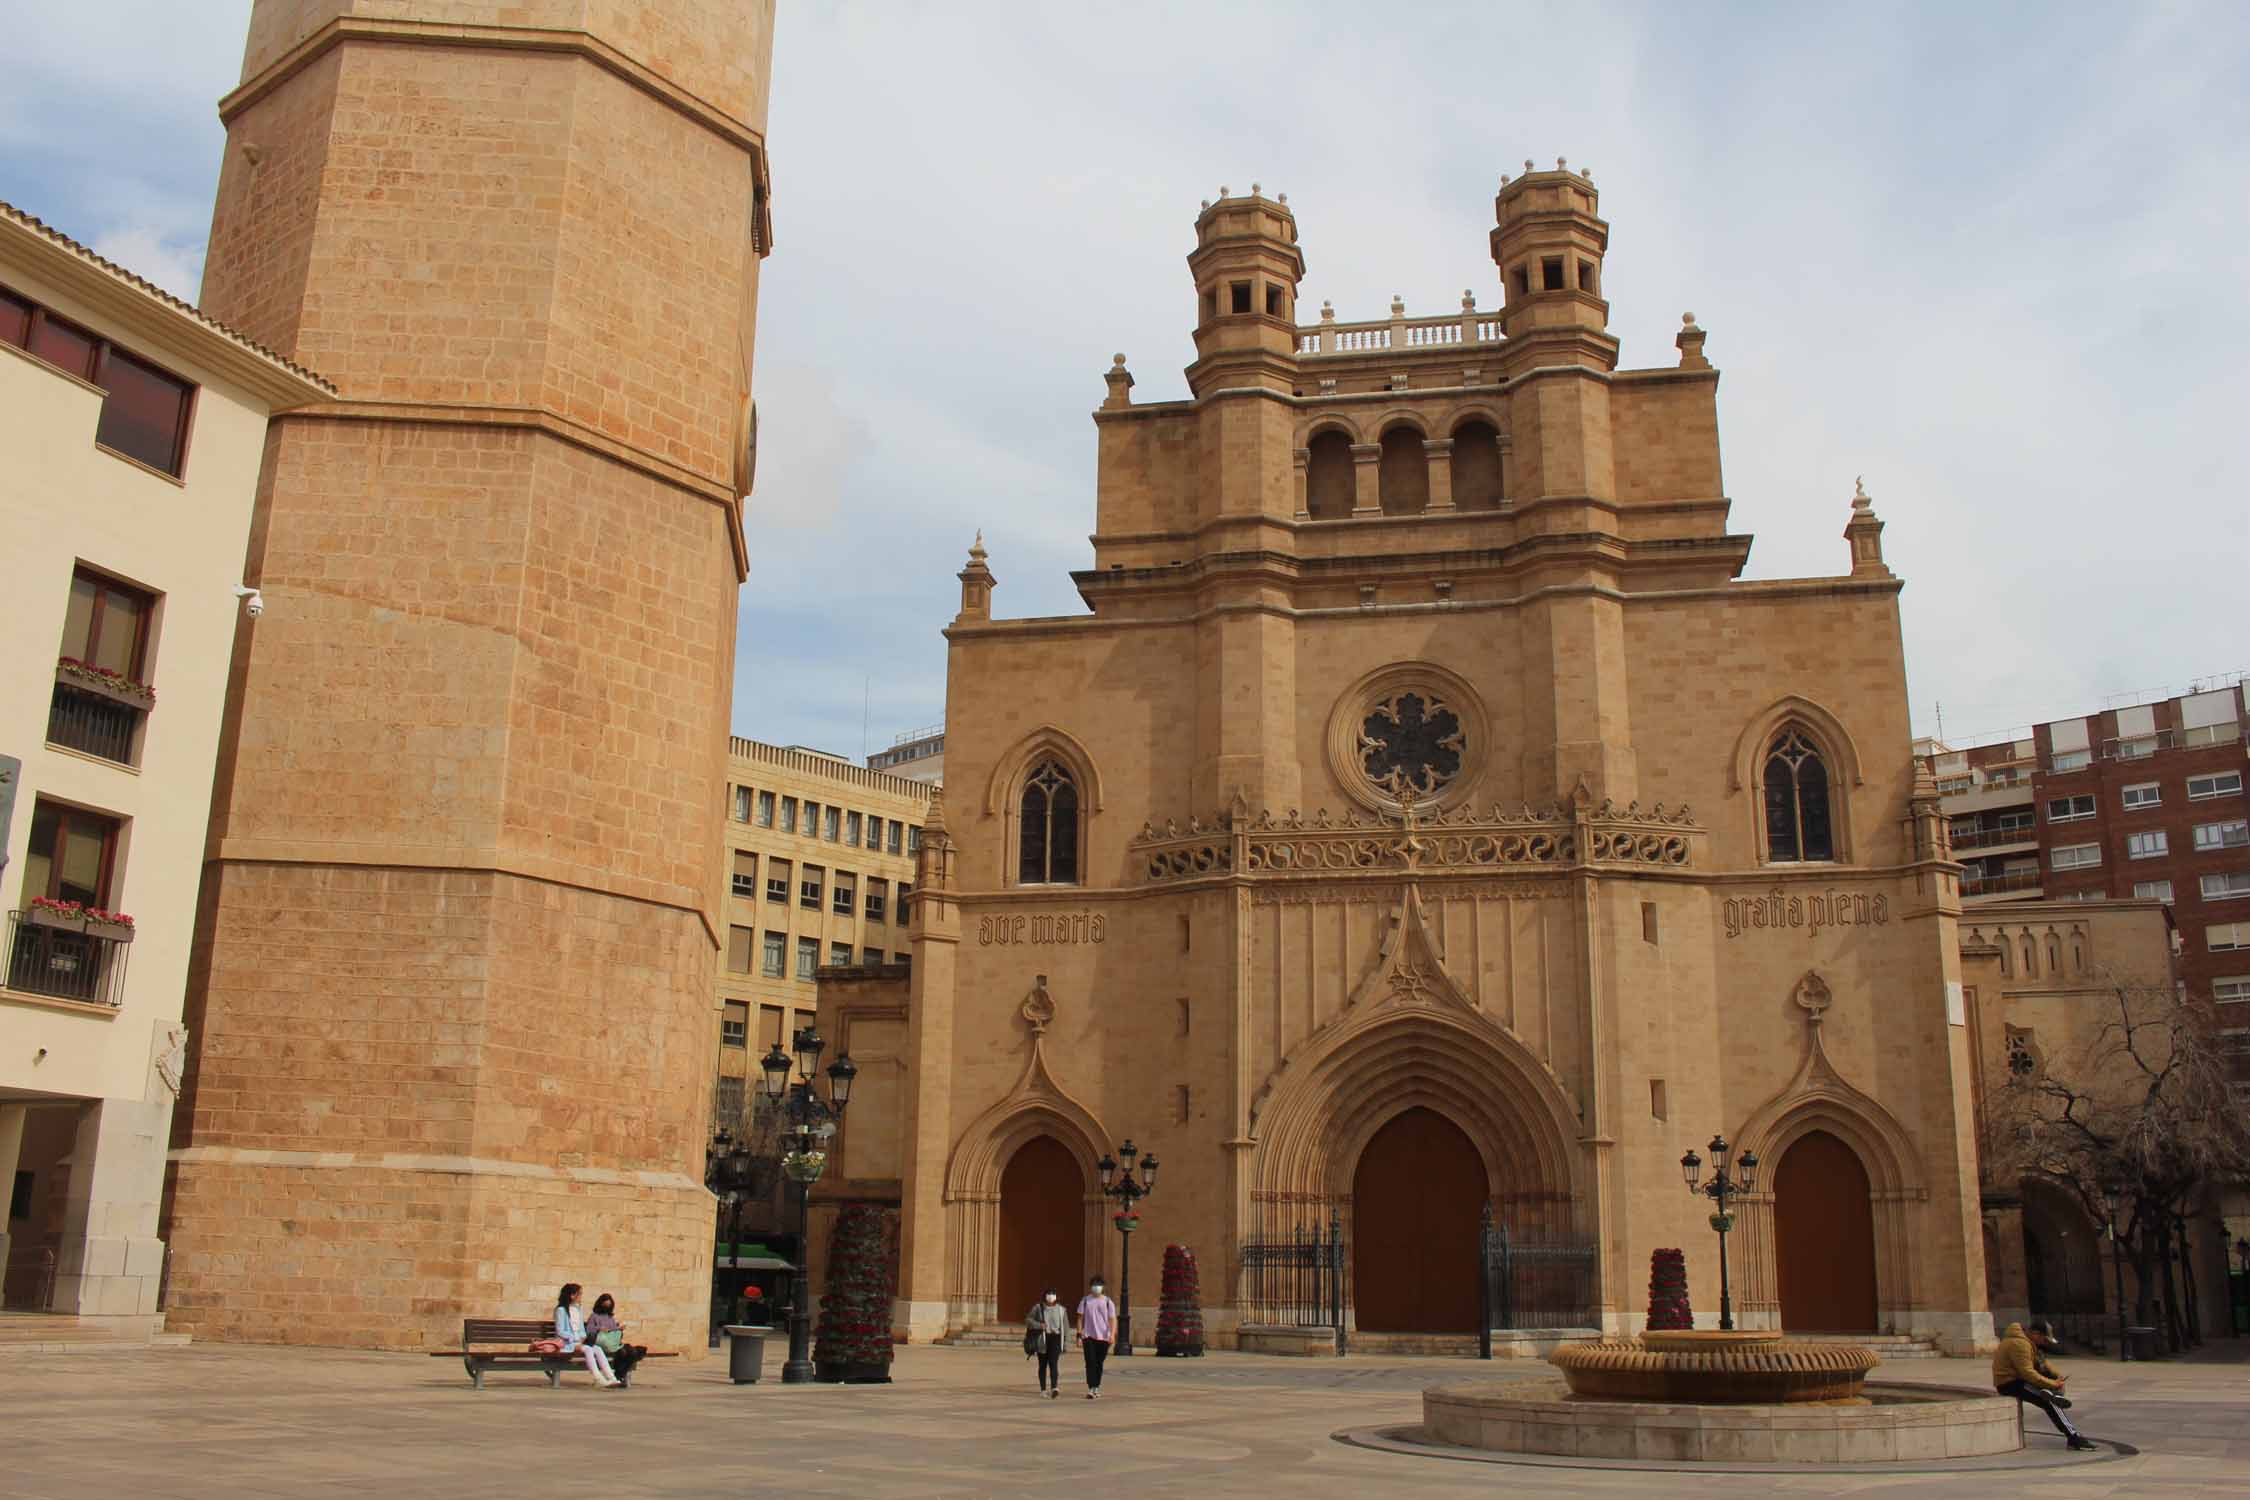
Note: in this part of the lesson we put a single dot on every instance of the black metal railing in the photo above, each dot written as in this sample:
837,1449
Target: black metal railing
1536,1277
2089,1331
1295,1279
65,964
88,722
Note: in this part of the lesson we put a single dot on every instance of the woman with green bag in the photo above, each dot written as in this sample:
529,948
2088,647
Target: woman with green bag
603,1330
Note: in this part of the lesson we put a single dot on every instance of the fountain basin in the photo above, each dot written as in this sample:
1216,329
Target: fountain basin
1734,1367
1891,1422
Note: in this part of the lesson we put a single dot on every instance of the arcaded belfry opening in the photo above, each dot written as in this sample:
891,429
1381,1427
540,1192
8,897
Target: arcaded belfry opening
1477,483
1328,476
1405,473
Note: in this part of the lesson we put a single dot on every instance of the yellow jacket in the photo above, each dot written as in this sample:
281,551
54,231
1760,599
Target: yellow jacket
2018,1359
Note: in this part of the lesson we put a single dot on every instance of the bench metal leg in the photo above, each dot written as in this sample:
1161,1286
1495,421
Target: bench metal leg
476,1373
554,1378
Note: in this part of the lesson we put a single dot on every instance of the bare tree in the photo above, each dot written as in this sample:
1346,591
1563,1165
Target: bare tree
2139,1113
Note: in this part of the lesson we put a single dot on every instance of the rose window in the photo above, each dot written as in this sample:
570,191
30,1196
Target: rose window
1410,745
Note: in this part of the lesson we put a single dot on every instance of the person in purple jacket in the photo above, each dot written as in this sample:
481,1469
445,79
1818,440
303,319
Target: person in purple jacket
1097,1325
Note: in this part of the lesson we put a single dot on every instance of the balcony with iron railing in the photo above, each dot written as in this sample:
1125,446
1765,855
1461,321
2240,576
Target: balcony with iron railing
67,959
1993,838
96,713
2005,883
1399,332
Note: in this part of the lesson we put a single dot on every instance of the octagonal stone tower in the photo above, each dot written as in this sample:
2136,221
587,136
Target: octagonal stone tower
457,921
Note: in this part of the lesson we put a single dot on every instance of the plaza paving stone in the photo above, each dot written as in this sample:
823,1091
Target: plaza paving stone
218,1420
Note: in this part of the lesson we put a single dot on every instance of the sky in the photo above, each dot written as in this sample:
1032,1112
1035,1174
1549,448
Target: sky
1991,257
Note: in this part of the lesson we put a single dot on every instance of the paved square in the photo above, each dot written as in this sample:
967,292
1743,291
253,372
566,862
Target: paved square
218,1420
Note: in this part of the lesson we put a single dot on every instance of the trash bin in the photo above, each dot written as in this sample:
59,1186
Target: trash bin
2142,1341
746,1352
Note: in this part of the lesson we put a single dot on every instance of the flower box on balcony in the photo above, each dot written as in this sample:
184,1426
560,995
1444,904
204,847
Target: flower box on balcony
103,683
73,916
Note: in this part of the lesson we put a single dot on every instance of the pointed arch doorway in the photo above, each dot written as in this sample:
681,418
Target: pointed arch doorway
1042,1225
1418,1197
1824,1238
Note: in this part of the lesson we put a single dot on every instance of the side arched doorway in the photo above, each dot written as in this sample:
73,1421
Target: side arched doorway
1824,1238
1417,1203
1042,1225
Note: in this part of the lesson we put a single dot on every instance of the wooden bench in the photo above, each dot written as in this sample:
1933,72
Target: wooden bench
513,1336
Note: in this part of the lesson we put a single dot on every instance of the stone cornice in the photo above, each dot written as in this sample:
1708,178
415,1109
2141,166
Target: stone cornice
552,424
400,1161
548,39
1514,510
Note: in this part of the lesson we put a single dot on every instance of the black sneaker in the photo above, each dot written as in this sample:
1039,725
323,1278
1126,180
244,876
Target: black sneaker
2082,1445
2062,1401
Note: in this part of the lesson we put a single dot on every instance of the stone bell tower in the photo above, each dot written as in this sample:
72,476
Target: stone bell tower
455,943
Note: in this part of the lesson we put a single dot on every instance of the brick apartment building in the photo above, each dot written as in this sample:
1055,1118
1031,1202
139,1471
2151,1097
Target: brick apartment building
2139,801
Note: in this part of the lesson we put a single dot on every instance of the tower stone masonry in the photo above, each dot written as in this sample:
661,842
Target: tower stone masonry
454,950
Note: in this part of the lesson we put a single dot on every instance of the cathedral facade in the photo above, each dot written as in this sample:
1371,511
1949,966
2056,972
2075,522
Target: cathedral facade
1424,828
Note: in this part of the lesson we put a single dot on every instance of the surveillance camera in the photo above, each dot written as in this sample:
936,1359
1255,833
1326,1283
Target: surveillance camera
253,602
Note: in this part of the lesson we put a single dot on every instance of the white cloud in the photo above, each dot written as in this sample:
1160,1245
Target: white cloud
175,265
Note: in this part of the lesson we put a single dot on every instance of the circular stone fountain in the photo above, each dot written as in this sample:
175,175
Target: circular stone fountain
1720,1397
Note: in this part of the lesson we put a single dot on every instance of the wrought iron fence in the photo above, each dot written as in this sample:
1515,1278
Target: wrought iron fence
1295,1279
1536,1277
2090,1331
93,724
68,965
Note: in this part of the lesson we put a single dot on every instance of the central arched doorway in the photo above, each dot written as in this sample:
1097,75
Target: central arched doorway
1417,1203
1042,1225
1824,1238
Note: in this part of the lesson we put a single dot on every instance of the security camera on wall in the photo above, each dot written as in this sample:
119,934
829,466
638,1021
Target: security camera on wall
253,602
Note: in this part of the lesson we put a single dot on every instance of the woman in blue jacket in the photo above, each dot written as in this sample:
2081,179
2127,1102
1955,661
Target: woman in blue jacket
570,1327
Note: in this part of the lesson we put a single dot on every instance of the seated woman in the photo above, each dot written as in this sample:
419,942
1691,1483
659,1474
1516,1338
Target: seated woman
604,1332
570,1327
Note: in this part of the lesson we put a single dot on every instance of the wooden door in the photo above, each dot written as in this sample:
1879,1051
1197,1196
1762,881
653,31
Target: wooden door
1042,1227
1824,1238
1417,1204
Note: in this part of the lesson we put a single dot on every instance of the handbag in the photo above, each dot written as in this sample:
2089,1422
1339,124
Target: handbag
546,1346
1033,1337
610,1339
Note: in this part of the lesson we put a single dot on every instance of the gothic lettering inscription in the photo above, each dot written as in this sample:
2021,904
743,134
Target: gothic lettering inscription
1042,927
1808,913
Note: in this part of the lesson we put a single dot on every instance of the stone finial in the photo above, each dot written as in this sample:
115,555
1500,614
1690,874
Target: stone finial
1224,190
1689,340
1398,305
977,584
1206,205
1120,382
1468,300
1864,531
1528,167
1255,187
1861,500
1283,200
1587,173
1562,164
1327,311
1505,179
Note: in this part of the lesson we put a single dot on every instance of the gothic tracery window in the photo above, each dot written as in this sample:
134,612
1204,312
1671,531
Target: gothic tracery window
1798,819
1410,743
1047,836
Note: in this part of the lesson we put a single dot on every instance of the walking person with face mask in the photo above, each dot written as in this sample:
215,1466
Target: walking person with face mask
1044,1329
1097,1326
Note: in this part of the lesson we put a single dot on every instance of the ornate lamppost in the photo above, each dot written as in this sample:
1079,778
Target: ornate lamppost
1726,1182
807,1122
2113,1203
730,1171
1119,1183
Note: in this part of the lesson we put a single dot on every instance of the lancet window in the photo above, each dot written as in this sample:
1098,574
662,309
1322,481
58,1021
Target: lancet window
1048,828
1799,818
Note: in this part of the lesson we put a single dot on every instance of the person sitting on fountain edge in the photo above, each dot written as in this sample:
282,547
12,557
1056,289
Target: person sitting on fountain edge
2019,1371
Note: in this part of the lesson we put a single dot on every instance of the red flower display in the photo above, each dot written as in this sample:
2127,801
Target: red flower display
855,1307
1667,1290
1179,1316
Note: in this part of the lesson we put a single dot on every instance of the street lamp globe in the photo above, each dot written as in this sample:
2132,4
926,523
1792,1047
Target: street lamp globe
841,1072
1691,1167
773,1070
1746,1169
1148,1172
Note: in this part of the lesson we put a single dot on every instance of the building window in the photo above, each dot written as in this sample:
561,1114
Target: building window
840,954
2153,890
145,411
788,815
872,957
777,881
902,958
831,827
2075,856
843,898
2147,794
773,955
726,1099
734,1025
2149,845
2135,749
738,950
745,881
742,804
2232,990
905,899
2227,886
106,625
808,887
1047,835
878,892
765,809
897,831
2222,784
1798,824
2227,937
851,829
770,1019
100,693
2069,809
2070,760
72,855
808,957
2229,835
